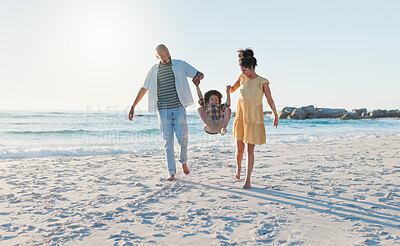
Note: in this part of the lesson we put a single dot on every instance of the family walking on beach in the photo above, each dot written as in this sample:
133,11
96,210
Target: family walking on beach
169,95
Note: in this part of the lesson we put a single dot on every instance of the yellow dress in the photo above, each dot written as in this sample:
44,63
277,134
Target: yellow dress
248,125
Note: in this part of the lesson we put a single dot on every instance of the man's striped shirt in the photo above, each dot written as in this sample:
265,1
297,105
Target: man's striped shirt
167,97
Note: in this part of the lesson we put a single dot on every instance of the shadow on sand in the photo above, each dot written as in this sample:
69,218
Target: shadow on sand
333,205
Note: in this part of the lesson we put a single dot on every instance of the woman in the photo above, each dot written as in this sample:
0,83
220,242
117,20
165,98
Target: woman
248,126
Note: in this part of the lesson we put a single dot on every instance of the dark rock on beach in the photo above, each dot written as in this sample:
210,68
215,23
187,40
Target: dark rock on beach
332,112
285,112
312,112
298,114
393,113
360,112
351,116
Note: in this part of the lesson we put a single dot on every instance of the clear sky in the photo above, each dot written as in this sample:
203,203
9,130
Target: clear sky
75,54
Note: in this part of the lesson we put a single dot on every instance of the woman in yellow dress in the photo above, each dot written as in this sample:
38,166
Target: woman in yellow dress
248,126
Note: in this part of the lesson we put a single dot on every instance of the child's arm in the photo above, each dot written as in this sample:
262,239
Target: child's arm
199,94
228,96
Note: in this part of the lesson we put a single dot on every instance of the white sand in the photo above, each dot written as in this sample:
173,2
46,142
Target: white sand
332,193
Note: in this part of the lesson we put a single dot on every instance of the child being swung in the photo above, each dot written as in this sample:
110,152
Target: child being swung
214,115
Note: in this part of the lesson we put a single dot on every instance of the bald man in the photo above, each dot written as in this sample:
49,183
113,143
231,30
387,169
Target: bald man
169,95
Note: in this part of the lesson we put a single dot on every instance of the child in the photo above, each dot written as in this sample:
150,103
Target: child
214,115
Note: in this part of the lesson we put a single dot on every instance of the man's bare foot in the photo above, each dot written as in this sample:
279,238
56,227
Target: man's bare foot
247,185
185,169
171,178
207,128
223,131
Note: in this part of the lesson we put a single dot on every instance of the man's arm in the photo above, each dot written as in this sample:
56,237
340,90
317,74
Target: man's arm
139,96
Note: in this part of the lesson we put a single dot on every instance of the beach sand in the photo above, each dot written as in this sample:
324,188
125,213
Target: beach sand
321,193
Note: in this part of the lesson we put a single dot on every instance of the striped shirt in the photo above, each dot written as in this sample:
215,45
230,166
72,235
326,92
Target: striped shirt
167,97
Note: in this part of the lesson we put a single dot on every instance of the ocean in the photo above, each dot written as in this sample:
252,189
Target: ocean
34,134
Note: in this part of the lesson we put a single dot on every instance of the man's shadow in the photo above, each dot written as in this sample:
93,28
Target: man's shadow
317,203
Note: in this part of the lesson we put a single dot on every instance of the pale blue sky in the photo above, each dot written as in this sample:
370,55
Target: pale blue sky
74,54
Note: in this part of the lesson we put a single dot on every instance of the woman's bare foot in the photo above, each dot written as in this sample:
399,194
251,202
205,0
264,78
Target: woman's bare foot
247,185
185,169
223,131
171,178
237,176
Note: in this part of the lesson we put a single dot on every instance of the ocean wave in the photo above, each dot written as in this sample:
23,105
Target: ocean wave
47,132
12,153
20,123
207,142
82,131
339,136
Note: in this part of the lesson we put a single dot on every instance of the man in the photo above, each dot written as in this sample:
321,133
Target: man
169,94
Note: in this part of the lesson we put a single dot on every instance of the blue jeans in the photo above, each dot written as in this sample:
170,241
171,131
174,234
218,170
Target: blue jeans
174,120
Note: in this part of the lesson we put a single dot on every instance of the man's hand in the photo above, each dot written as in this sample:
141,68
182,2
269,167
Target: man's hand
228,89
131,113
196,79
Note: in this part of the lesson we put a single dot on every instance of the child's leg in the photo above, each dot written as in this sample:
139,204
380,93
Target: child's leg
239,157
202,114
227,117
203,117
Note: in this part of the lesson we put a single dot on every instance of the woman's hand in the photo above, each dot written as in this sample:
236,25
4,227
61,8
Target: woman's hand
131,113
276,120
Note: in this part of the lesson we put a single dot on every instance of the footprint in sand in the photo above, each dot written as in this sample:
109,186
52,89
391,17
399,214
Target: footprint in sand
98,225
220,237
172,218
265,229
149,215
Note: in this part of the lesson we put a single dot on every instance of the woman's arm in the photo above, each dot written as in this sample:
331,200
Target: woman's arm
271,103
236,85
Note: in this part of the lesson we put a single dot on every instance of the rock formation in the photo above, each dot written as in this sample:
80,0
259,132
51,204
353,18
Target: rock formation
311,112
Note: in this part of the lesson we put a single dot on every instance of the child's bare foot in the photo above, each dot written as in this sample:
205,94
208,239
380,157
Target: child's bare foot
185,169
247,185
207,128
171,178
223,131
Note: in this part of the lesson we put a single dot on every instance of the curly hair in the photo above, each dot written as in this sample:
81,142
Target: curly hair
245,53
212,92
247,60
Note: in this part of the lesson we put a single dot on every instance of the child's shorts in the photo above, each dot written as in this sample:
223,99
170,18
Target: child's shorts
215,125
